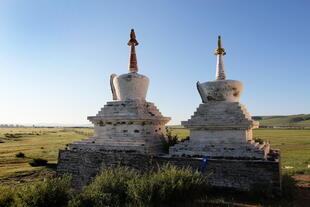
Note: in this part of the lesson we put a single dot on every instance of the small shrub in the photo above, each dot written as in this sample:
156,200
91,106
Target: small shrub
185,139
9,135
122,186
76,201
35,162
259,140
300,172
20,155
170,140
140,190
53,192
109,188
167,185
7,196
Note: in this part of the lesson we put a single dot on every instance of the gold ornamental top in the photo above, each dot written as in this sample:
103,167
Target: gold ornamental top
219,50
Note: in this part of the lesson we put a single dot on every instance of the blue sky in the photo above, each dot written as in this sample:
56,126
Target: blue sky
56,56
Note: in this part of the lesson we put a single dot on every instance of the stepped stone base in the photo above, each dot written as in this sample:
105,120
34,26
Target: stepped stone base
132,125
145,145
221,129
221,114
227,173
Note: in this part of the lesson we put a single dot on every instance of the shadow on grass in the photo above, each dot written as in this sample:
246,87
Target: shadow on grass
255,197
52,166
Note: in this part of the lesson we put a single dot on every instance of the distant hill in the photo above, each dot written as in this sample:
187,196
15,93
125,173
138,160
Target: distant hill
300,120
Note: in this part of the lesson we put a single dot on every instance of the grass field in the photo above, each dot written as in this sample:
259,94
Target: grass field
45,143
34,143
294,146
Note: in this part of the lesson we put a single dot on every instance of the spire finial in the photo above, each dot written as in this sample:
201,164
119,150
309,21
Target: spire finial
133,40
219,50
133,63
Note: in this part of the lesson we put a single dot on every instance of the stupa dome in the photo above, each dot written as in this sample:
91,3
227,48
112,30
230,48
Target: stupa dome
220,89
132,85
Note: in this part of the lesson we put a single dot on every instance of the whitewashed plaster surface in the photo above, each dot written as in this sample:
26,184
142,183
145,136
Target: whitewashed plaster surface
130,86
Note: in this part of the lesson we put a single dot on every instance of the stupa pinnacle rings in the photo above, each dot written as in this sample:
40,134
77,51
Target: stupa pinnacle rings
133,40
220,52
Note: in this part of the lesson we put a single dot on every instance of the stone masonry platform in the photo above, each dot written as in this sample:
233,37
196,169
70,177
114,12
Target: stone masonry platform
227,173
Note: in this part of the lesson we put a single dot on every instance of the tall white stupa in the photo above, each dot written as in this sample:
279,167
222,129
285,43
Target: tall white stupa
221,127
129,122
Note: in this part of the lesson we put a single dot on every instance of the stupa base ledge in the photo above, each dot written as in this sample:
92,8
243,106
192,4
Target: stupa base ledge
218,127
152,150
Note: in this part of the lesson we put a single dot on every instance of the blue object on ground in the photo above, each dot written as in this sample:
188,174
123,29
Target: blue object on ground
203,164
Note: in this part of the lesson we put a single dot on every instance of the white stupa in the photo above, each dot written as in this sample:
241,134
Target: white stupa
129,122
221,127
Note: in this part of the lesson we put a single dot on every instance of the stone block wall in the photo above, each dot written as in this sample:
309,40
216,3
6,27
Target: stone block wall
237,174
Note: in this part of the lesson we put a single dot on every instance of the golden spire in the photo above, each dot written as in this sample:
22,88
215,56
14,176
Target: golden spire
133,63
219,50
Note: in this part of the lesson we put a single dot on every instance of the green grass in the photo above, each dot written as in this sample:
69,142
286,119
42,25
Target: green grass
181,133
294,146
34,143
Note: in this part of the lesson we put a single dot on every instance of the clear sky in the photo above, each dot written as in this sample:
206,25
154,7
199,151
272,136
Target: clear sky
56,56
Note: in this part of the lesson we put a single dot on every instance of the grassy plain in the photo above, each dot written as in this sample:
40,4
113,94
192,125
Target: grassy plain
294,146
34,143
45,143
